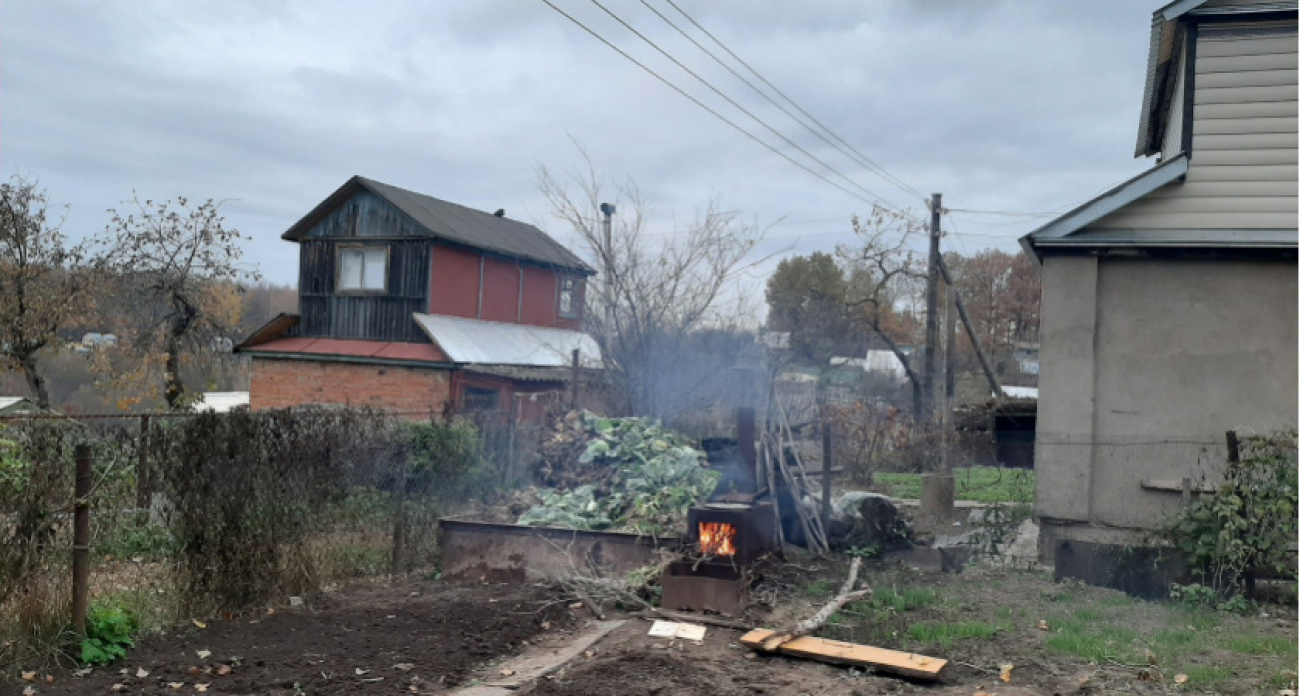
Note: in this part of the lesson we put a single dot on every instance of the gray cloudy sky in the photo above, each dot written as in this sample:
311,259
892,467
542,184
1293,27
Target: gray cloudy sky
270,105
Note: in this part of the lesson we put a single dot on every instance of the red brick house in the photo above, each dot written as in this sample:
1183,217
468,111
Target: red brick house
417,305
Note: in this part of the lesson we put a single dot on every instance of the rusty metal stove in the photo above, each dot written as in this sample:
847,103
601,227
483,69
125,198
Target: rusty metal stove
731,531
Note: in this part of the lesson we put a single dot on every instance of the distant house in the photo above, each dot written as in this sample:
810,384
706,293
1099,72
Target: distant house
16,405
417,305
1169,302
222,402
879,362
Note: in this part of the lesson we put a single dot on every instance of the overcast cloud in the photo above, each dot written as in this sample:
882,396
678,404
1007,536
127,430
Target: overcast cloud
271,105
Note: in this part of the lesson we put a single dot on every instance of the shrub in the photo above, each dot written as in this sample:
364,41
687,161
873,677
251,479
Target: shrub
110,630
1249,523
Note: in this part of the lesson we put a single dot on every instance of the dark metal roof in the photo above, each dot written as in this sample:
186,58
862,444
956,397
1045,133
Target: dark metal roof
454,223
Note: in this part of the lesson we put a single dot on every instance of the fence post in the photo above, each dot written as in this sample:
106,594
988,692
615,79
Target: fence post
81,541
143,477
573,381
399,521
828,464
1234,447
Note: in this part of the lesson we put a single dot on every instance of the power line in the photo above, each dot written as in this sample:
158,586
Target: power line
737,105
868,162
1003,213
707,108
846,151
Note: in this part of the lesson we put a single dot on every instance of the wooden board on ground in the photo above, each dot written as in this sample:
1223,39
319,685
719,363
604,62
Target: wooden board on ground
841,653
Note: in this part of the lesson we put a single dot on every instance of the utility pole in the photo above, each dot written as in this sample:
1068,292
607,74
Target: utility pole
608,253
932,308
949,376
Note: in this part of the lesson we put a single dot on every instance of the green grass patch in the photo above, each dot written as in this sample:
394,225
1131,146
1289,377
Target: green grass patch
1094,639
819,588
987,484
1203,677
1259,645
905,600
944,634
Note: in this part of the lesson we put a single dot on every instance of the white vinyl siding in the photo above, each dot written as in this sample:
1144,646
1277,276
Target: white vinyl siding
1243,168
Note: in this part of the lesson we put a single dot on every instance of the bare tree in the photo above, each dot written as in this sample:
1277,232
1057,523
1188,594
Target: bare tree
654,288
185,265
883,270
42,284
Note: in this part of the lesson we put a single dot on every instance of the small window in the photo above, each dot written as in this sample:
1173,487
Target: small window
475,399
363,269
569,298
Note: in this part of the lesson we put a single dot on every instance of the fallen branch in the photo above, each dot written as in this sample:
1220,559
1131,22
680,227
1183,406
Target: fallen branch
699,619
816,621
591,606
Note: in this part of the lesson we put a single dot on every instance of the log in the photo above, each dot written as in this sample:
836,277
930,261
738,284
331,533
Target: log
816,621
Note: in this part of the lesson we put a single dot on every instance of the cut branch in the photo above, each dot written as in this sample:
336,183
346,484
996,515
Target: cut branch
847,594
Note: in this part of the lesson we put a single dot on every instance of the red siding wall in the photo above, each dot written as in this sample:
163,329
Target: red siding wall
539,296
500,290
453,285
414,391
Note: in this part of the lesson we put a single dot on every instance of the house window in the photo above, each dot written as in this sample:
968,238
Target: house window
475,399
569,298
363,269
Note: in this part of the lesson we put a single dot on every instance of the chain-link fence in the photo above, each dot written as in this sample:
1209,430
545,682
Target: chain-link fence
191,516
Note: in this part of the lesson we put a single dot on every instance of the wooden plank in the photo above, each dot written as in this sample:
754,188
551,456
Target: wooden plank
841,653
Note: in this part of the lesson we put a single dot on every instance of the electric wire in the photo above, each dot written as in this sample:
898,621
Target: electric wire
866,160
742,109
709,109
857,157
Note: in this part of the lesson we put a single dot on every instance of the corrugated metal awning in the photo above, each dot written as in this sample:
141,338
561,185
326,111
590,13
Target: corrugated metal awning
496,343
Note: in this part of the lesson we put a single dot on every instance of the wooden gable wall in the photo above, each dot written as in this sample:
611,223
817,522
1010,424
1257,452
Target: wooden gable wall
363,219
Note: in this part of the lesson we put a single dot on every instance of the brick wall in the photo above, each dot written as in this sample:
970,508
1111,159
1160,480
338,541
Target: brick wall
283,383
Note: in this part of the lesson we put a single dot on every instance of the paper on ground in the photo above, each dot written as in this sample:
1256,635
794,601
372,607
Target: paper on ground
673,629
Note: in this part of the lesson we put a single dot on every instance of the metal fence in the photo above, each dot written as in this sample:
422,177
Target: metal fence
186,516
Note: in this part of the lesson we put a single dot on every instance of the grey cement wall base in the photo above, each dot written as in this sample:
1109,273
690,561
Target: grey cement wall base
1052,532
1140,571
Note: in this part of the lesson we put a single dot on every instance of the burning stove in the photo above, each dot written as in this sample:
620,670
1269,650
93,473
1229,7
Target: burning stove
737,533
732,530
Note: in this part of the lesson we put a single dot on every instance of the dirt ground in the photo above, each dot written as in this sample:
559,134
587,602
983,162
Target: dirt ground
433,636
367,640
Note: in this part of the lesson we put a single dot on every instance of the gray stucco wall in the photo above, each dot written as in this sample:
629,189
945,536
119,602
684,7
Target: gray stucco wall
1145,364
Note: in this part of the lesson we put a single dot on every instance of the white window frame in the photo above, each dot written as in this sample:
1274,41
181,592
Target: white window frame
575,297
366,253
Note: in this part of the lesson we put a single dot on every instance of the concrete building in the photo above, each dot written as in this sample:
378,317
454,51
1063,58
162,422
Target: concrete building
1169,302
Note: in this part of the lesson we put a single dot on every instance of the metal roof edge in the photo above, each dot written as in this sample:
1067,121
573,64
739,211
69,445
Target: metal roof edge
1253,238
274,328
1125,193
355,359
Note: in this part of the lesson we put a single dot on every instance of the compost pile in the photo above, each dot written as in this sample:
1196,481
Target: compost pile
618,474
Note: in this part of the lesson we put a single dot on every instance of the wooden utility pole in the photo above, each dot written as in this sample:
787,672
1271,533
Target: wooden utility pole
970,331
949,375
932,308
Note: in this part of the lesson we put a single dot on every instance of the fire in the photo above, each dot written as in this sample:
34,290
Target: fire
718,538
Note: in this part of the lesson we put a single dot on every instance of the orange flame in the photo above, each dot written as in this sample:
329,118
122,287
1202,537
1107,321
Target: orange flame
718,538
